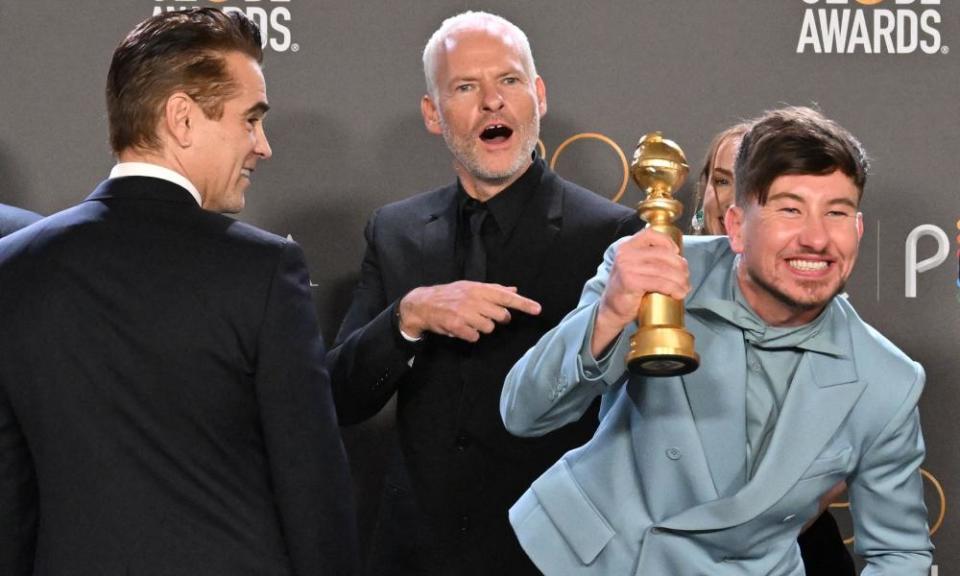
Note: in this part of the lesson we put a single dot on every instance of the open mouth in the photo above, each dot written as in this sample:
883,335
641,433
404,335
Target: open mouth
496,133
246,172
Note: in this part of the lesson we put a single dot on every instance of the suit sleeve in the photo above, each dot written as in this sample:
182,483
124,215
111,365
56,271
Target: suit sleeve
886,496
629,225
18,497
555,382
308,464
370,354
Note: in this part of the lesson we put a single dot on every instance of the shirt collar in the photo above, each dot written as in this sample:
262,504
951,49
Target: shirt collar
123,169
820,335
507,206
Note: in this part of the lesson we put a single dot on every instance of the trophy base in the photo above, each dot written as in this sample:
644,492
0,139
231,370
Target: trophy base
662,351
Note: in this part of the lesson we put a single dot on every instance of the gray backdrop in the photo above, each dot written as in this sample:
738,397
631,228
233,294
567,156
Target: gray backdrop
345,79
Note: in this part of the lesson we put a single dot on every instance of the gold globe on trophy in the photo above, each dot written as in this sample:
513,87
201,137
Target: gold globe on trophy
661,346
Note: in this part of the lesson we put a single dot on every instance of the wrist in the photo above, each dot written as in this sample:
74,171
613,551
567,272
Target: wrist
406,320
607,325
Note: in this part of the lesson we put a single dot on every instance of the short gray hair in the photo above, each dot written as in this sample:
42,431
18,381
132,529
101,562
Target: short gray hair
471,19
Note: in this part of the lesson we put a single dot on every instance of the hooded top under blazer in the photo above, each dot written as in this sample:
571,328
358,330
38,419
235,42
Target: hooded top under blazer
645,495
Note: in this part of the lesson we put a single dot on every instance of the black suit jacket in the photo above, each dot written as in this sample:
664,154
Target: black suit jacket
465,467
164,409
13,219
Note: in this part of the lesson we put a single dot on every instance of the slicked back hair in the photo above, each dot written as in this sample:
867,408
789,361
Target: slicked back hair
179,51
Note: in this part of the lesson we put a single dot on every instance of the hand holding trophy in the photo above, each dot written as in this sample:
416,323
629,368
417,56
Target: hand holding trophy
661,346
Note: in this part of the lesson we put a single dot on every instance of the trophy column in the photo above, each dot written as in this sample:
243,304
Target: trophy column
661,345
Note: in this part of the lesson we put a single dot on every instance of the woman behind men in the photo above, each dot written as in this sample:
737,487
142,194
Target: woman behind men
715,185
821,544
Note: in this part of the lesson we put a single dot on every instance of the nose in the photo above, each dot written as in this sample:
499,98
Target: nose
492,99
814,233
262,147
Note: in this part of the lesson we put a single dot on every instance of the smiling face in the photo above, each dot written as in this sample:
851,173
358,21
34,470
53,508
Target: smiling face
718,193
487,107
798,249
224,152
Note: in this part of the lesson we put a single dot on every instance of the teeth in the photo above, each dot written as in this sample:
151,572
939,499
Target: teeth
807,265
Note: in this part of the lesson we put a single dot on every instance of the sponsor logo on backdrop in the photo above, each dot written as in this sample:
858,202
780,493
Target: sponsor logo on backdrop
272,16
919,259
871,27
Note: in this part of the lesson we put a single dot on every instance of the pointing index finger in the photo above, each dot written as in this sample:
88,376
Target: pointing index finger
511,299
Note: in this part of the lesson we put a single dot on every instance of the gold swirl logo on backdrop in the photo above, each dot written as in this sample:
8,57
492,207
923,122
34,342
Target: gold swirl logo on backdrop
591,136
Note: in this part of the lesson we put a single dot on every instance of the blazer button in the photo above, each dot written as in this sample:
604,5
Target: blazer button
462,441
673,453
464,524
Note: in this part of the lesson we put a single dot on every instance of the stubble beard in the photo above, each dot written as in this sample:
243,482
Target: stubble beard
813,302
465,151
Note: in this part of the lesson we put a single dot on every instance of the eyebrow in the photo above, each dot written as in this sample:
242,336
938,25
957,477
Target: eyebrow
722,171
258,108
798,198
503,72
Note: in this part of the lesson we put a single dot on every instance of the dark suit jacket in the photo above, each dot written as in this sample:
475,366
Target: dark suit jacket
164,409
465,467
13,219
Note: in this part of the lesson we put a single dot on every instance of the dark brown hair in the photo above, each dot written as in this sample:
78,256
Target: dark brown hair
179,51
795,140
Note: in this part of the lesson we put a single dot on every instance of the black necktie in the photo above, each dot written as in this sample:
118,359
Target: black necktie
475,257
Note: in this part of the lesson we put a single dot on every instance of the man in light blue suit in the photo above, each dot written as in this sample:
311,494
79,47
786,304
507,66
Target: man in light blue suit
717,472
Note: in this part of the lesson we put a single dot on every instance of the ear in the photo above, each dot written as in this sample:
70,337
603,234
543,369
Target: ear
859,226
733,221
431,115
541,89
178,118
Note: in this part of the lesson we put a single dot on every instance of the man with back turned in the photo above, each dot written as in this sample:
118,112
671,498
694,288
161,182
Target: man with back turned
164,408
13,218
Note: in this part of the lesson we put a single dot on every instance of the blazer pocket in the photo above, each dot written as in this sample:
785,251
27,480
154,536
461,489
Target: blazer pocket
828,464
583,527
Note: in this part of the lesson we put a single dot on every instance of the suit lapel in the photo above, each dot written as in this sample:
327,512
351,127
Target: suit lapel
531,241
824,390
438,239
716,393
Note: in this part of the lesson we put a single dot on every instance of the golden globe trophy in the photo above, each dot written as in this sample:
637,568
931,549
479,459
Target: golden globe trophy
661,345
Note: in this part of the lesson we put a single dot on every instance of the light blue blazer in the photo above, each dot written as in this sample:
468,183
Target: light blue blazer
659,489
